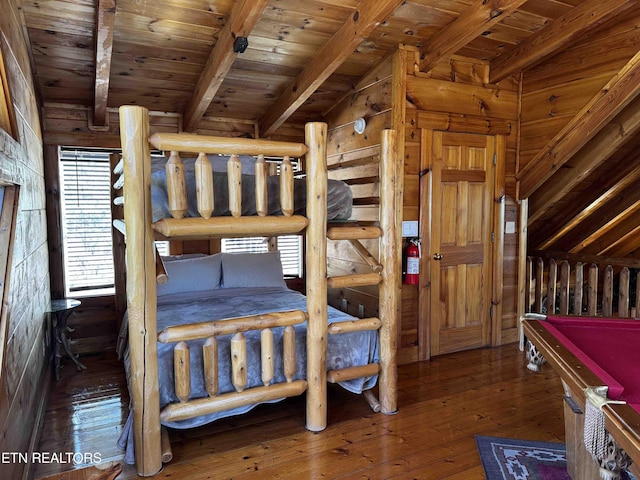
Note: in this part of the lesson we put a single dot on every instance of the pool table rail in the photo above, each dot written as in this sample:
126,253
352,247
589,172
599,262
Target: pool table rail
621,420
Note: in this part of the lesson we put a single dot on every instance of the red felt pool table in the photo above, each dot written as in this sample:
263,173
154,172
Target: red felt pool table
591,352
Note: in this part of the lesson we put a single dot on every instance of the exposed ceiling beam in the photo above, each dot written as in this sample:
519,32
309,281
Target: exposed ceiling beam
105,20
628,244
472,23
605,105
611,236
244,15
596,215
556,36
595,152
368,15
582,218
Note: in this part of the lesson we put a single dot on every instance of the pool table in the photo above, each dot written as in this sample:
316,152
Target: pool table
592,352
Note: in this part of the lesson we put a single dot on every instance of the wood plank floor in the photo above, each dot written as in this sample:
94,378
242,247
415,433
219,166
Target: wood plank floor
443,404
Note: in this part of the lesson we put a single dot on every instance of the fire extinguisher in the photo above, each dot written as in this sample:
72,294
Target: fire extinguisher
412,253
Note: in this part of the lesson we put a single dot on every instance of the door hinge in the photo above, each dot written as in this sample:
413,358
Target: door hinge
493,237
495,158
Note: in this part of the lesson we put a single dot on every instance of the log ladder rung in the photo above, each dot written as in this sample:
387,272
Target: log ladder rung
355,280
353,233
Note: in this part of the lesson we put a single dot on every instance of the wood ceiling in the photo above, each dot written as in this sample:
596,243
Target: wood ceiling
303,55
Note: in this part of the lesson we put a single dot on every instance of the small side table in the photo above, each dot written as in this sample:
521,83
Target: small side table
60,311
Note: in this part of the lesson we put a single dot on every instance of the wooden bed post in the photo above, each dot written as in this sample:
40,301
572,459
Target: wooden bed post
316,274
141,289
390,216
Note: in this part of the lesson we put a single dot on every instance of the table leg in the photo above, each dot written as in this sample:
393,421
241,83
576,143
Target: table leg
67,348
535,358
60,330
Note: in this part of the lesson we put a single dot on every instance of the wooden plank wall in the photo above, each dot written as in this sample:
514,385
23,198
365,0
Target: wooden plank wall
555,91
24,374
353,156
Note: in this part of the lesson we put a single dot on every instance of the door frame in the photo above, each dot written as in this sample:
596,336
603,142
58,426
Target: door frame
496,268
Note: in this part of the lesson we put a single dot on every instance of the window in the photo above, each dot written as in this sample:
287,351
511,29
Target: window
86,222
8,211
290,247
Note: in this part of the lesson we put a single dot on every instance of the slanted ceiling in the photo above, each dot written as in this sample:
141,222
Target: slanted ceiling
304,55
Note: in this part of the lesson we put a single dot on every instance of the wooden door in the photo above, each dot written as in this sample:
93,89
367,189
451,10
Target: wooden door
460,244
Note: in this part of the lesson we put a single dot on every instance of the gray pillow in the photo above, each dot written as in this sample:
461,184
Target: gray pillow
192,275
252,270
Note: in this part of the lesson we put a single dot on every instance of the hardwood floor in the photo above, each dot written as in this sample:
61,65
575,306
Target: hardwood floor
442,405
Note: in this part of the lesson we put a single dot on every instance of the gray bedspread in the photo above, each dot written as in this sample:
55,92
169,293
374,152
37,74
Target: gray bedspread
344,350
339,196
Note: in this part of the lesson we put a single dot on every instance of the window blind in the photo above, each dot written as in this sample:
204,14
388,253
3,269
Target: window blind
86,221
290,247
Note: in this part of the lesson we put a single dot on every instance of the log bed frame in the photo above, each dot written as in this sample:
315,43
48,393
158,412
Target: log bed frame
144,270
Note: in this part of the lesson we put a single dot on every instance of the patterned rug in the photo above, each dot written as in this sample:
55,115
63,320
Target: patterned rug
509,459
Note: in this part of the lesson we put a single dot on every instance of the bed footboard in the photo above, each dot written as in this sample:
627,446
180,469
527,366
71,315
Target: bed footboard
243,396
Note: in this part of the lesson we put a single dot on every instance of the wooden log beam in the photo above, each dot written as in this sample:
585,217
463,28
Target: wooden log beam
472,23
244,15
349,373
227,401
141,289
605,105
544,235
192,143
368,15
623,127
354,280
391,174
230,326
316,288
371,323
105,20
556,36
229,227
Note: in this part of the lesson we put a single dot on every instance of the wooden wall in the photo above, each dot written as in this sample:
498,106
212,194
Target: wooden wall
390,97
555,91
353,158
24,374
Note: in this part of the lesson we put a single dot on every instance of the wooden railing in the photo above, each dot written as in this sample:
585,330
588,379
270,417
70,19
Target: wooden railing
586,285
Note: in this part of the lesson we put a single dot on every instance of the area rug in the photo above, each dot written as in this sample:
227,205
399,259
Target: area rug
509,459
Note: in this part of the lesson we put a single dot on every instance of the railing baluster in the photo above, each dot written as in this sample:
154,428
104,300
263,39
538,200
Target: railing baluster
565,273
578,289
607,292
239,361
210,361
262,199
204,185
266,350
234,177
182,371
176,189
552,287
286,187
592,290
623,293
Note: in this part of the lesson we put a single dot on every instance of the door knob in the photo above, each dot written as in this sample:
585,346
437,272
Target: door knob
437,256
